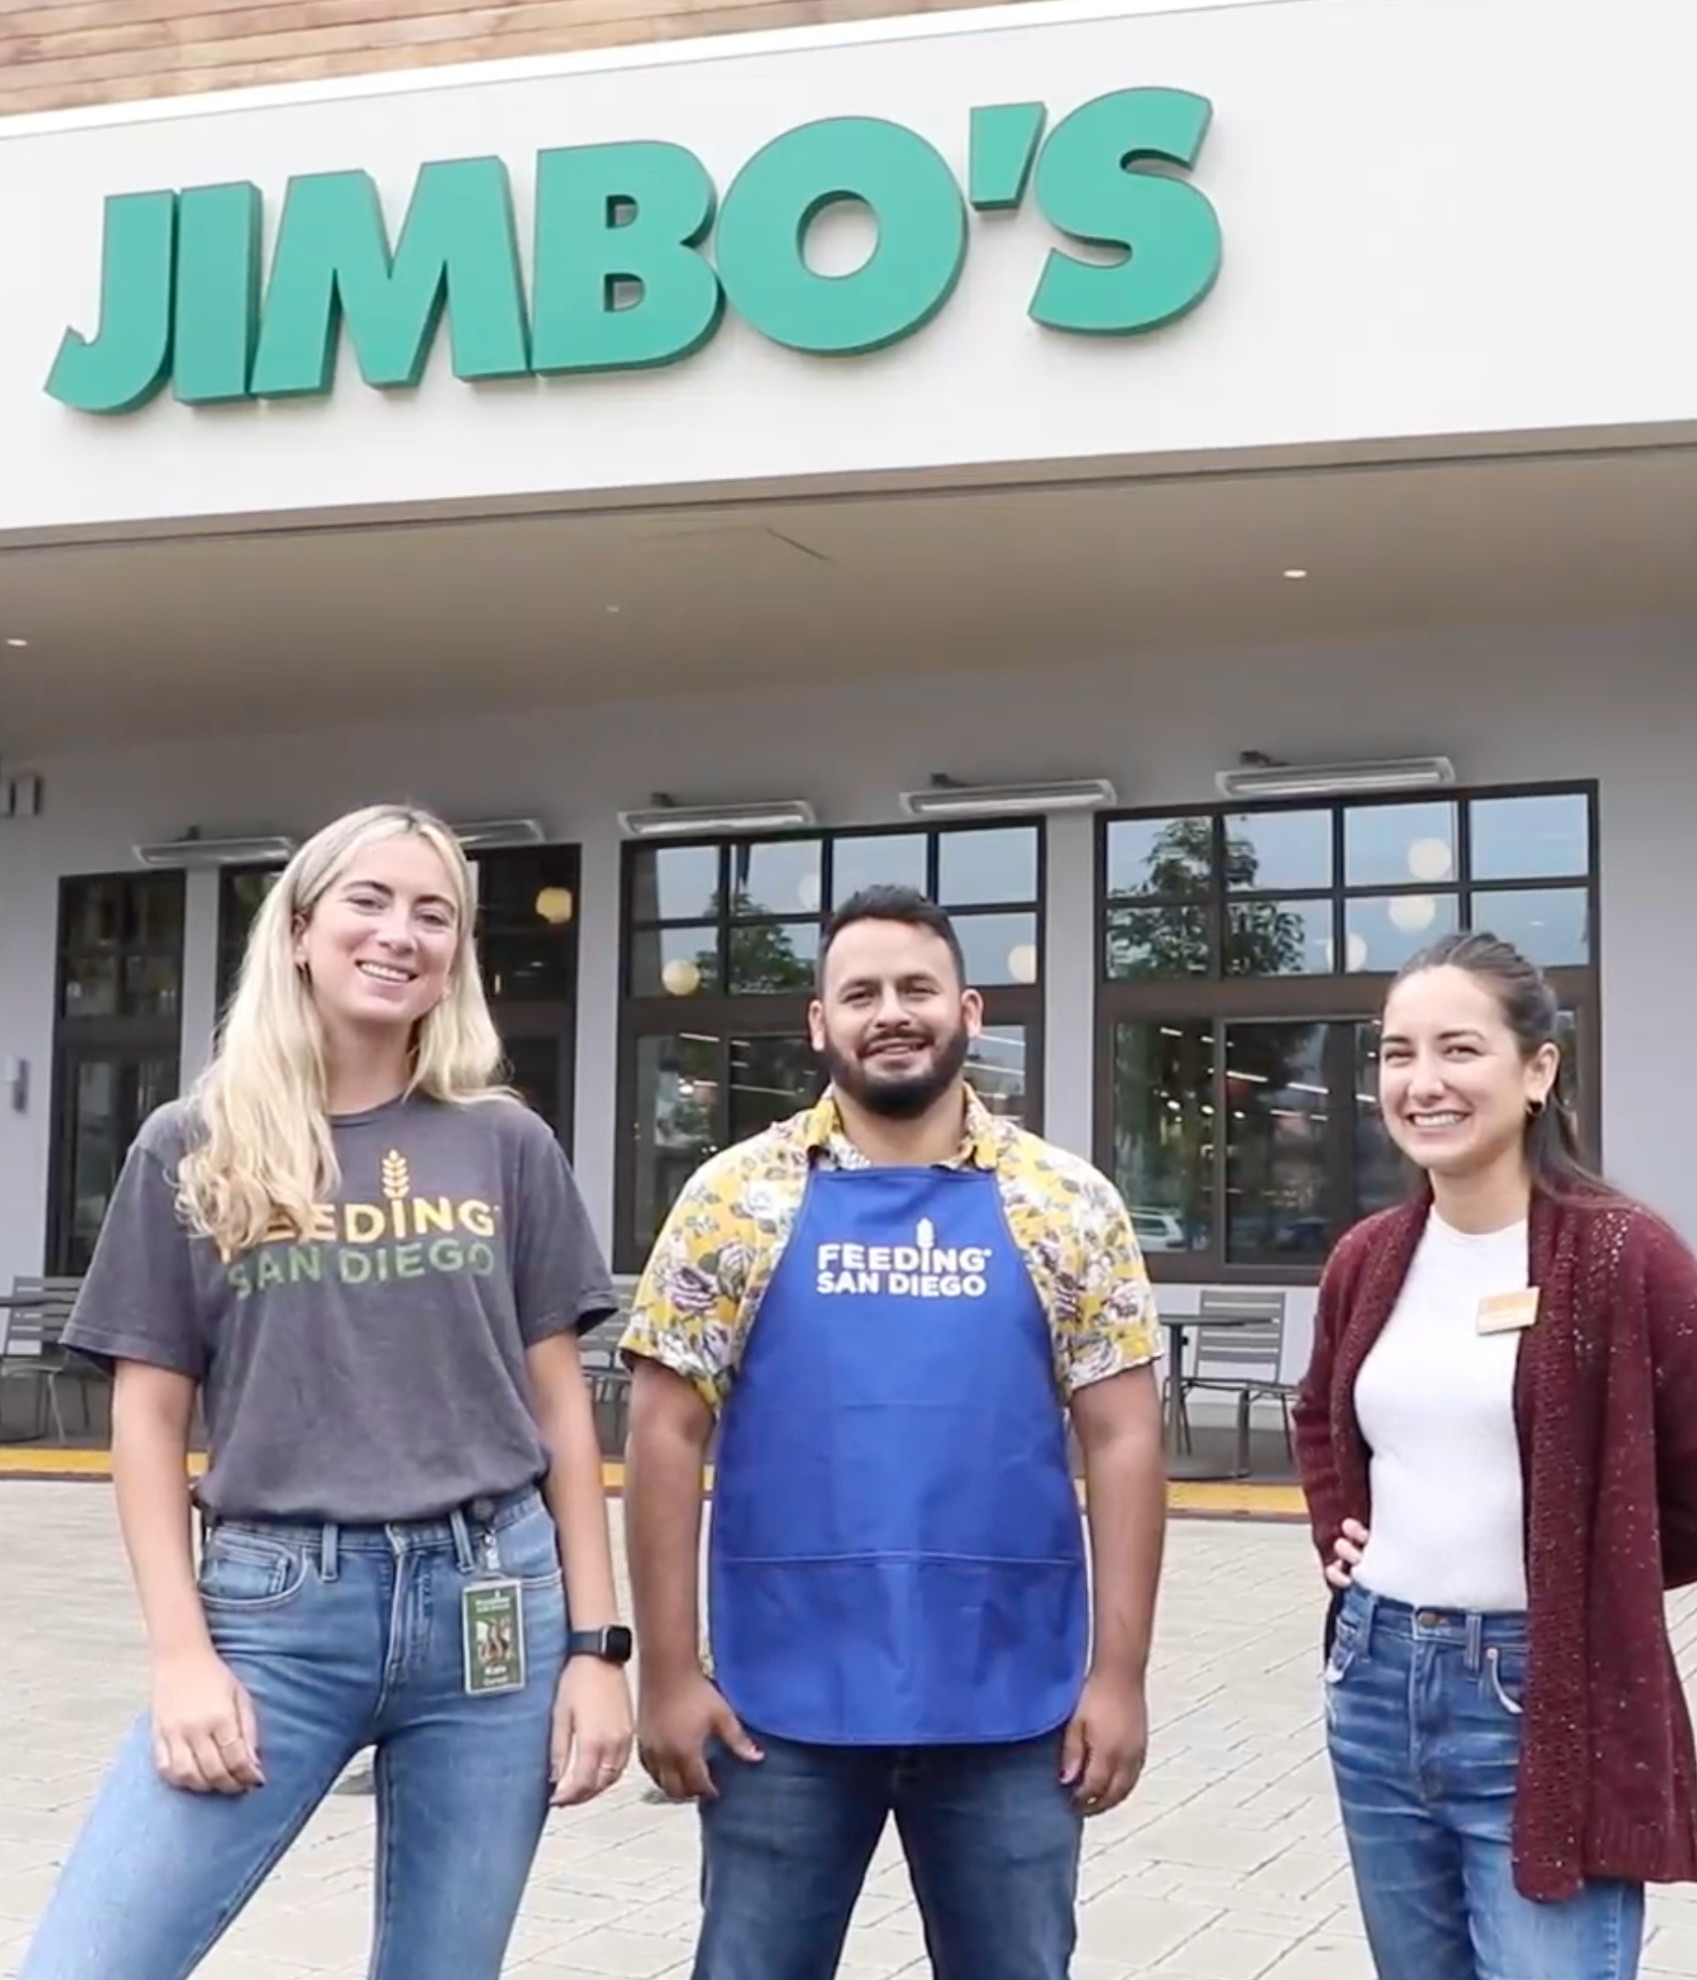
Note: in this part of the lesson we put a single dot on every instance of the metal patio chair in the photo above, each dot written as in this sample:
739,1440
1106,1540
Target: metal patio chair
609,1390
32,1350
1241,1353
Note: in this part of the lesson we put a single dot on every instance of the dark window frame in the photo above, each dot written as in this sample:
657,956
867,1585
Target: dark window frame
552,1018
229,951
760,1013
1352,997
80,1041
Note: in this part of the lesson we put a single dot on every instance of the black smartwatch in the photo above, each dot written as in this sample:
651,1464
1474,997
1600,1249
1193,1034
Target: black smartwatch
613,1645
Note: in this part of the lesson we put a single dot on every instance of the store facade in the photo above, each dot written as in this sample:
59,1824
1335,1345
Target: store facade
551,445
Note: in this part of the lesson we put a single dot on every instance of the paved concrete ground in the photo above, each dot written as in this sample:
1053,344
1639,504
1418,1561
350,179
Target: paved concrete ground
1226,1864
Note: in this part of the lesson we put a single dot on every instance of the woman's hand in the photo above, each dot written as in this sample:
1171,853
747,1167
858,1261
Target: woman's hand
205,1734
593,1728
1347,1550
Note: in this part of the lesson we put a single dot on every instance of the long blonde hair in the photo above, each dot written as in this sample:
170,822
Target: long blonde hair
261,1156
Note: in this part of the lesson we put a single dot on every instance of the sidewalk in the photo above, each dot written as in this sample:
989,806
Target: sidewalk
1226,1865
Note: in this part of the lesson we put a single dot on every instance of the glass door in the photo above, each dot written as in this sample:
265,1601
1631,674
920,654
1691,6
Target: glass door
105,1096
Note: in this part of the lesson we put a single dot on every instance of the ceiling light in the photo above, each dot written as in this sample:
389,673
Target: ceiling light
192,850
17,642
1295,573
943,798
665,820
483,833
1279,780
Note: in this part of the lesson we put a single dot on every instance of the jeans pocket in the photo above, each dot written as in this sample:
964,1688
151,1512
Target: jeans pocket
1505,1677
247,1572
529,1550
1340,1660
1346,1640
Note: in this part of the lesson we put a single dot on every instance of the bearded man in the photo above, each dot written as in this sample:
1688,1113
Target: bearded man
888,1307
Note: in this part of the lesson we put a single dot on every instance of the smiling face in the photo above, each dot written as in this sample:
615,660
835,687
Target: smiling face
892,1019
379,943
1454,1082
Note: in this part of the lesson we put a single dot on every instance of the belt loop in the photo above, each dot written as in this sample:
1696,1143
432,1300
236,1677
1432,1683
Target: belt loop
1370,1609
329,1555
464,1556
1475,1643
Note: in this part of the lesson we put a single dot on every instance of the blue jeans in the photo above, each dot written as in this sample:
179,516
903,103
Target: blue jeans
992,1841
1423,1714
345,1637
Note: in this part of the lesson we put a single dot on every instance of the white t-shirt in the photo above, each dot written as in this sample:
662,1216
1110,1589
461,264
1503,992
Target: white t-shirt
1435,1401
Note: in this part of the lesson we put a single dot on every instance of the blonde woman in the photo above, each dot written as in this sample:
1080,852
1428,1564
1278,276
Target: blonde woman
372,1265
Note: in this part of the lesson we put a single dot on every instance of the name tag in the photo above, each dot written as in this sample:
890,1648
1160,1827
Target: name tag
492,1628
492,1617
1508,1313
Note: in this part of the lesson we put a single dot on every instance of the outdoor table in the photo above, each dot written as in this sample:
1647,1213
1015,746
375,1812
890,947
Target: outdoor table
1180,1465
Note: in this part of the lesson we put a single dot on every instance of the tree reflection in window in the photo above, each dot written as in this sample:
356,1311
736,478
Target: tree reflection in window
1173,936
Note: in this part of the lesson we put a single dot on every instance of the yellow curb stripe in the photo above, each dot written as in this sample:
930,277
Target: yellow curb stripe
1233,1499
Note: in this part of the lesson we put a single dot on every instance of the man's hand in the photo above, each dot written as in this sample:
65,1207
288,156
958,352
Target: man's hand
674,1726
1106,1742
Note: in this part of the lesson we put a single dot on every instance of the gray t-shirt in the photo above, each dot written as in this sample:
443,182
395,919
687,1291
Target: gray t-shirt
374,1371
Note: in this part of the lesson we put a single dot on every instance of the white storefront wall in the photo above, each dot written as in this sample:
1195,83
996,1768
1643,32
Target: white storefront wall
1619,705
1440,218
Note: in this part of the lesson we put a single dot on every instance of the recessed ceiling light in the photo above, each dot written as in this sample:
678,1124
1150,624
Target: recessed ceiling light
17,642
612,608
1296,574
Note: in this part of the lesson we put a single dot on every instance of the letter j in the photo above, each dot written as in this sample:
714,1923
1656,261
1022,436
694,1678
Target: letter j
126,364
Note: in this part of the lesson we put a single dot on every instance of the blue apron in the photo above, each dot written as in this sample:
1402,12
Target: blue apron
897,1551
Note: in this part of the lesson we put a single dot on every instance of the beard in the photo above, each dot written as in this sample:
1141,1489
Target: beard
904,1096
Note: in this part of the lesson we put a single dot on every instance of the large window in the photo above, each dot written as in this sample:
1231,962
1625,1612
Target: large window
1244,957
526,930
116,1041
721,944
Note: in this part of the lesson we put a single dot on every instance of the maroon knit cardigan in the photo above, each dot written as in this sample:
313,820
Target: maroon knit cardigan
1606,1405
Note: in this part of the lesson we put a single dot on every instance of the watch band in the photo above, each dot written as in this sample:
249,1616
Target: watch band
613,1645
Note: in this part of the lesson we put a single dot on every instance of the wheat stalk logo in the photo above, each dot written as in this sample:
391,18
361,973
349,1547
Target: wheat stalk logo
927,1234
397,1180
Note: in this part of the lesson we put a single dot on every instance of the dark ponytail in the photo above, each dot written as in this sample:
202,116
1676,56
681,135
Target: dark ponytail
1554,1149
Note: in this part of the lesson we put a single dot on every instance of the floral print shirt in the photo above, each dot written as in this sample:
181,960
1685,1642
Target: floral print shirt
715,1257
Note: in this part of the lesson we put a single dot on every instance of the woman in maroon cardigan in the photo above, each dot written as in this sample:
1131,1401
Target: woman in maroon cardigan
1498,1442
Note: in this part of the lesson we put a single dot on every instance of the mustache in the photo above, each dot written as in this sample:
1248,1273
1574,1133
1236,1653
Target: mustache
898,1035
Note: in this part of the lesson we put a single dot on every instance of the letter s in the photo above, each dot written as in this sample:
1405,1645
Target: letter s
1088,187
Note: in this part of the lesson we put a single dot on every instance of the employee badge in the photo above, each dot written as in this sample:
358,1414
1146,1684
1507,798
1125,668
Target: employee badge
492,1629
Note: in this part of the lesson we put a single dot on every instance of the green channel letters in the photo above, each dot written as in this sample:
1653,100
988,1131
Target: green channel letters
635,256
781,191
217,293
129,359
1089,188
457,255
617,217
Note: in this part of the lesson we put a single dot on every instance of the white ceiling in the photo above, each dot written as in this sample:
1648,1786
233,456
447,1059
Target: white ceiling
294,628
